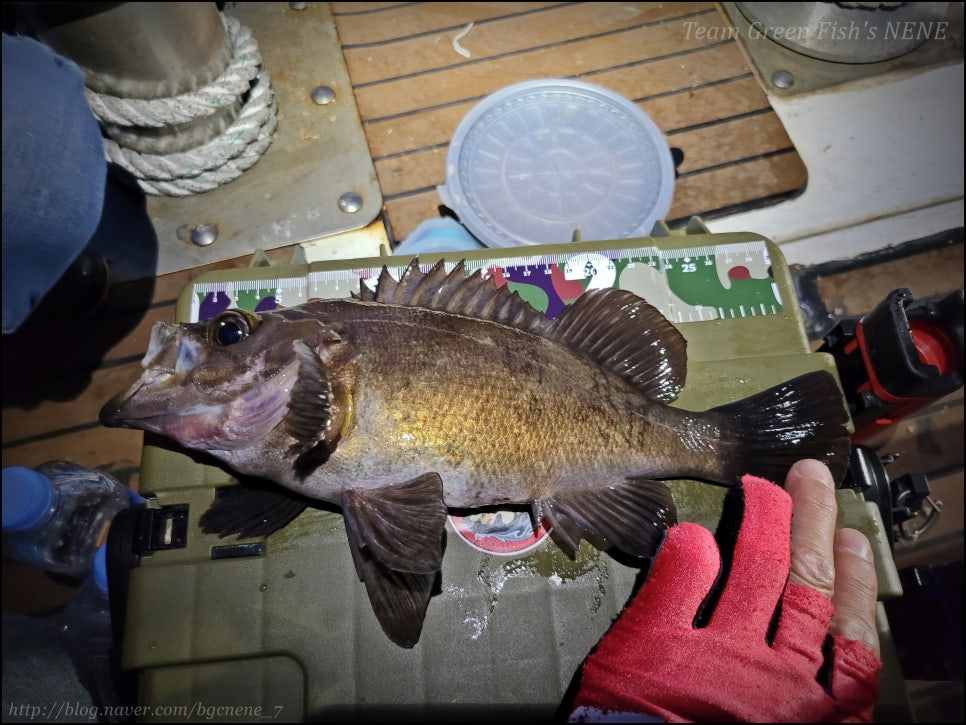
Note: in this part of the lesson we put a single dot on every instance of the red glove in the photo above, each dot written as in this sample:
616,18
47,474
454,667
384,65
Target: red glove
737,664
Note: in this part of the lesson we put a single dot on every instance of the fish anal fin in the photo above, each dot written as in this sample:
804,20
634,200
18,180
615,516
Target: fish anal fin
401,526
250,510
630,515
565,532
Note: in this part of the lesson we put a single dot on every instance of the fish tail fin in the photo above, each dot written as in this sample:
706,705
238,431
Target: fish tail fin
804,417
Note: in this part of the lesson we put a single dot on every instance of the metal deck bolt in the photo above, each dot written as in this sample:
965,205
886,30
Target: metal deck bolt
323,95
782,79
350,202
204,234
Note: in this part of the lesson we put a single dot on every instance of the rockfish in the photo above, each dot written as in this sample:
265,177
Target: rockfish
445,391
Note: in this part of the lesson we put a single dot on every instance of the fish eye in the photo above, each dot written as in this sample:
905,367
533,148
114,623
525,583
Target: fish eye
229,328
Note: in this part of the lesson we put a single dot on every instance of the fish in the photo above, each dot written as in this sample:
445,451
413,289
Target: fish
444,391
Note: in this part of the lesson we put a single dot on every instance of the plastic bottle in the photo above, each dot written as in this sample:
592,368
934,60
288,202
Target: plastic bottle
86,633
56,516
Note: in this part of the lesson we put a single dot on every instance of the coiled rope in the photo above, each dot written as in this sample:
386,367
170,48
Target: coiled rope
217,161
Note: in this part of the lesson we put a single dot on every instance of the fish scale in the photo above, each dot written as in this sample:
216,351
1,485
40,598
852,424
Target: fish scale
477,422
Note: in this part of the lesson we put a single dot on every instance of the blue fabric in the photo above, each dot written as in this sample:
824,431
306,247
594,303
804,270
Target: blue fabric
54,173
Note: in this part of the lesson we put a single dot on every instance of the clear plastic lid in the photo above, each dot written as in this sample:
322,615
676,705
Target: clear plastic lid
538,161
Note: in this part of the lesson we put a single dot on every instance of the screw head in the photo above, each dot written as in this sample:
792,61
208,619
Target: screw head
782,79
323,95
298,6
350,202
204,234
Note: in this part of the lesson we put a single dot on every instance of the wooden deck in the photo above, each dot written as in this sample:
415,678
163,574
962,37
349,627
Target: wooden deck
413,88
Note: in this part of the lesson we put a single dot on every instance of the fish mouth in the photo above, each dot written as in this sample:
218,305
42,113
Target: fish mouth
190,428
117,413
134,408
113,413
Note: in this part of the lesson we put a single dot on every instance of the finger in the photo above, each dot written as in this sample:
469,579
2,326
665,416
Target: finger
681,576
755,557
810,485
856,590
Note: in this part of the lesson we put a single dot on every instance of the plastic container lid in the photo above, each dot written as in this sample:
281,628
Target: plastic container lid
28,497
537,161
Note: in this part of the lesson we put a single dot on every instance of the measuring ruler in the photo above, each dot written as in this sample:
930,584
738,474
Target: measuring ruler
693,284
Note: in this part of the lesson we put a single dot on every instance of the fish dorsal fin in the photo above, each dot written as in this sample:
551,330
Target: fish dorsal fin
615,328
456,293
624,334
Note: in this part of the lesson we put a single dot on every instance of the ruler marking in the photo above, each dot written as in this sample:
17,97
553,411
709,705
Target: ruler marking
336,282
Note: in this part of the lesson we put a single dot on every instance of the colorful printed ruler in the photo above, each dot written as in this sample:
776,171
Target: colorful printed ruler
695,284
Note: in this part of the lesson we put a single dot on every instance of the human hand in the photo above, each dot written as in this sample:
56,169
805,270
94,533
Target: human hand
786,632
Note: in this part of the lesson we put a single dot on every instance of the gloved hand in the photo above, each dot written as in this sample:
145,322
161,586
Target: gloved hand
759,647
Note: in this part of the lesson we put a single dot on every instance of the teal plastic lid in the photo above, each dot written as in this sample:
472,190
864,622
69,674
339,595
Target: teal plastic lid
438,235
28,498
540,160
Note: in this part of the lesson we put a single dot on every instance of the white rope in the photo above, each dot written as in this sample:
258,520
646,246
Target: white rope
247,128
158,112
209,180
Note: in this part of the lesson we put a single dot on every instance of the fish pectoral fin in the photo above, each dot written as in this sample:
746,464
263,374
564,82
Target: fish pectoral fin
310,402
251,509
401,526
631,515
399,599
396,538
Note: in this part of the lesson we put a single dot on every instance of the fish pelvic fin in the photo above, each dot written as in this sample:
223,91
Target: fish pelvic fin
396,538
804,417
251,508
631,515
615,328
